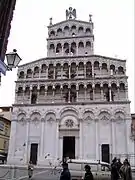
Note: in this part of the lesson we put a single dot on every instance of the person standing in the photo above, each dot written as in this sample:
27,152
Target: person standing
65,174
88,174
114,170
125,170
30,169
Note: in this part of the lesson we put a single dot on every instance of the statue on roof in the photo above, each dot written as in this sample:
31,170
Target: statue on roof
71,13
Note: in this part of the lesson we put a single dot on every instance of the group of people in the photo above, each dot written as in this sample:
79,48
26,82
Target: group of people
120,171
65,174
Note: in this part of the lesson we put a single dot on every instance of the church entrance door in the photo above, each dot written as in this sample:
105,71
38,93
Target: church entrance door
33,153
69,147
105,153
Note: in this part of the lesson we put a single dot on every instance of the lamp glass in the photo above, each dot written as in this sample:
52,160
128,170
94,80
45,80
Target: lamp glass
13,59
10,59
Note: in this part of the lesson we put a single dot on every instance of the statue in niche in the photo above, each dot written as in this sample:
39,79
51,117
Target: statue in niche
71,13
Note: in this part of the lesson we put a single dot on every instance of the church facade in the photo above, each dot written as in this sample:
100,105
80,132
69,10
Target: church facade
72,103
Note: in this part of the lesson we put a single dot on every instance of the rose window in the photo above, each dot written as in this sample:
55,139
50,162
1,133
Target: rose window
69,123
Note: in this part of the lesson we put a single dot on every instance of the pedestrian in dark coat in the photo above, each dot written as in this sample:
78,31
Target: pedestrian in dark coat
125,170
88,174
114,170
65,174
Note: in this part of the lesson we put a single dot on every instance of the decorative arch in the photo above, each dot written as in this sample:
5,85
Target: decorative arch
50,116
69,111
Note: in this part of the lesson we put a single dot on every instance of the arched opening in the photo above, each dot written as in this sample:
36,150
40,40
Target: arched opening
42,90
21,75
43,68
88,70
58,48
73,27
52,33
36,71
20,91
34,95
73,93
58,71
120,70
112,68
122,91
66,48
106,92
59,32
66,30
65,93
66,70
104,68
27,91
81,69
57,91
97,92
80,30
96,65
89,92
29,73
73,48
50,71
88,31
73,70
50,91
52,47
81,92
81,45
88,44
114,91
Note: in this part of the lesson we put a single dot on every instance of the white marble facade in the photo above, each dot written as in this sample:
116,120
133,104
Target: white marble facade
71,93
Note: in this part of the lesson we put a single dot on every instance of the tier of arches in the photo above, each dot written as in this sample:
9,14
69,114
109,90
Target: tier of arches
73,30
71,48
74,93
87,115
72,70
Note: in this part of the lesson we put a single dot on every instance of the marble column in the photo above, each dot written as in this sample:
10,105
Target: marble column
113,137
81,139
57,139
42,137
69,70
92,70
26,152
97,140
47,72
77,71
110,94
54,72
12,142
84,70
69,95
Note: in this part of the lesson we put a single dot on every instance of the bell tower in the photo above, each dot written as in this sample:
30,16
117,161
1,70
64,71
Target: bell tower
71,37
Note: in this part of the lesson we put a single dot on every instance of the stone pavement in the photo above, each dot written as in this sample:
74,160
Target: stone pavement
8,173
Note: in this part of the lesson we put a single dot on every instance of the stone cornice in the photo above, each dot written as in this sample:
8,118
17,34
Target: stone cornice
72,57
68,21
115,77
70,37
77,103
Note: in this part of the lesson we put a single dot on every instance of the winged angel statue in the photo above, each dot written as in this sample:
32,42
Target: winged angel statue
71,13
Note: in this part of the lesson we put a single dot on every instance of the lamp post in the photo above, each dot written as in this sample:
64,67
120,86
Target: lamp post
13,59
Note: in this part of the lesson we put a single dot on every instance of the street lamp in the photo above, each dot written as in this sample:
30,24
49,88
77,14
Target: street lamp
13,59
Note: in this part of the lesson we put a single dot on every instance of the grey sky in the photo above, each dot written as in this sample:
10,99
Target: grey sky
113,30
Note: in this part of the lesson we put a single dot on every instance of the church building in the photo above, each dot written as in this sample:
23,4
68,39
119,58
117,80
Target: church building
72,103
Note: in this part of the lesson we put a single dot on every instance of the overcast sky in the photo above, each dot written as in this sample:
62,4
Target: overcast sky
113,30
